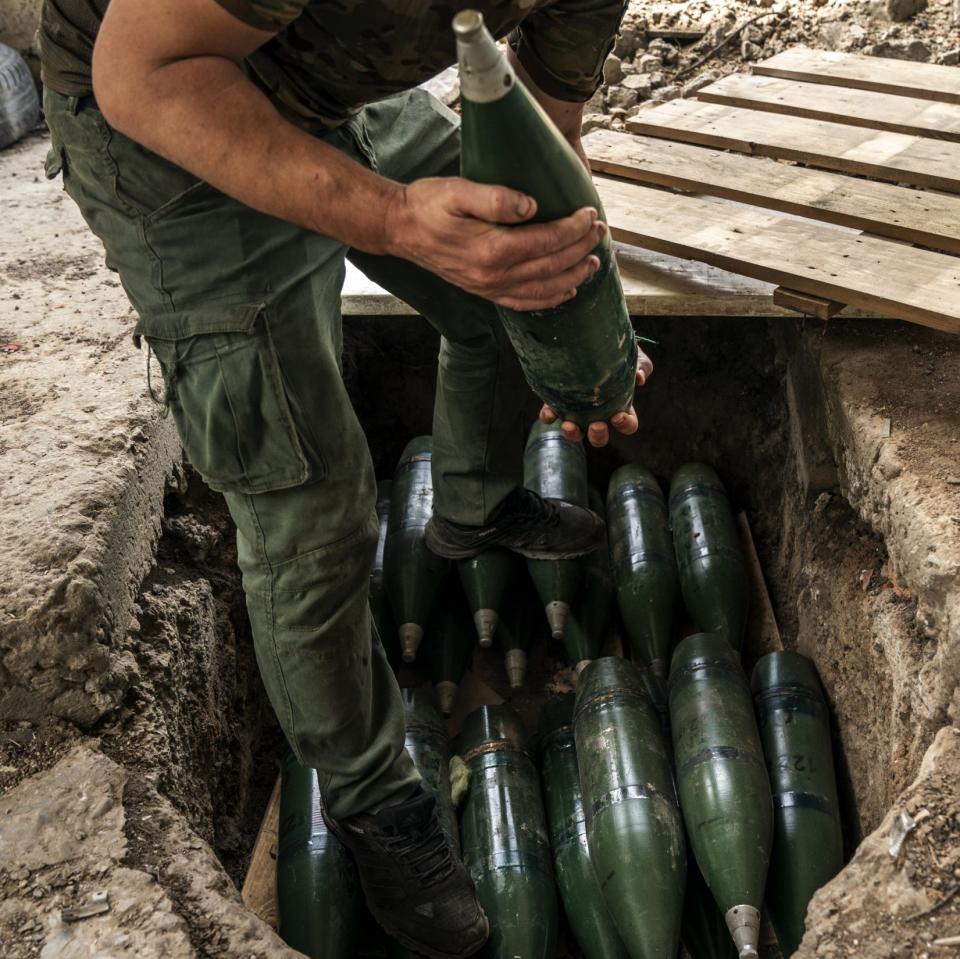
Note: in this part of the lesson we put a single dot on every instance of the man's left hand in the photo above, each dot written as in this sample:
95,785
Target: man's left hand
598,434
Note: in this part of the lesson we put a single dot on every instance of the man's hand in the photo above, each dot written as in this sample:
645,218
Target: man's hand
467,233
597,433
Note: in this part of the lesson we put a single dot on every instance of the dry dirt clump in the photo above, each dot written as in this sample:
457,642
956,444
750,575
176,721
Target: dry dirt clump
900,904
668,50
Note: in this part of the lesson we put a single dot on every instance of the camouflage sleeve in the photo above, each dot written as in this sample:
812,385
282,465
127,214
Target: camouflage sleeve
271,15
563,45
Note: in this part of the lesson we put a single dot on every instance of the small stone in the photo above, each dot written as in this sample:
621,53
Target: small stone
612,70
949,59
641,84
670,92
915,50
649,63
594,121
702,81
621,96
896,11
667,52
750,51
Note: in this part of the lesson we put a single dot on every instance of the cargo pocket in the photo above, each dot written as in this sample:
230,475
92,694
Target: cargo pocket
225,388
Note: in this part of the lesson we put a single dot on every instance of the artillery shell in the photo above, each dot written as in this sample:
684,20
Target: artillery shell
449,646
504,836
486,579
583,902
413,575
579,357
555,468
644,566
807,841
634,828
723,784
713,572
429,748
319,901
592,611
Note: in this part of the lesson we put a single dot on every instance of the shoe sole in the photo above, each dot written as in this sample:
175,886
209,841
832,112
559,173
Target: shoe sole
462,552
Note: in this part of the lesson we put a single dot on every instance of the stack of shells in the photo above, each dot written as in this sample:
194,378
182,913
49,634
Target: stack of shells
666,801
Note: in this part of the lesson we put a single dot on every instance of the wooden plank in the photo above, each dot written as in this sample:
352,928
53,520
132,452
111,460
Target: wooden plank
763,633
899,77
895,157
858,108
806,303
879,208
259,891
654,284
902,282
683,36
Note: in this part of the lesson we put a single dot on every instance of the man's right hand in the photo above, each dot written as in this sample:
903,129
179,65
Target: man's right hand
468,233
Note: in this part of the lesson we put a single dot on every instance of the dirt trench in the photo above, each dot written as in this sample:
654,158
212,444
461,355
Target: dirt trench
194,741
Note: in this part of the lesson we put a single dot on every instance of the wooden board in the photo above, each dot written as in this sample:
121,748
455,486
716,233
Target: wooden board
763,633
806,303
654,284
259,891
899,77
879,208
902,282
858,108
895,157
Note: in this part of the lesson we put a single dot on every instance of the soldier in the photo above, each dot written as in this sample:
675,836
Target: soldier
230,154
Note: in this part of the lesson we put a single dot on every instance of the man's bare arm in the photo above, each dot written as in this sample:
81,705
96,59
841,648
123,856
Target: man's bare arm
168,75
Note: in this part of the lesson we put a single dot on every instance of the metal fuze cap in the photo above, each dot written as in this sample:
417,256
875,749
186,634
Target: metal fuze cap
485,75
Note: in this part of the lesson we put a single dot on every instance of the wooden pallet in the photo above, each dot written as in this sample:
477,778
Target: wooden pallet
835,176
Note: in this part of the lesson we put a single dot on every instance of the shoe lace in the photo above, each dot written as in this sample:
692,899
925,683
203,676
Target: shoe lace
425,853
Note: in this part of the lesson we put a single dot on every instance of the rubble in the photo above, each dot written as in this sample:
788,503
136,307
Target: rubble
674,46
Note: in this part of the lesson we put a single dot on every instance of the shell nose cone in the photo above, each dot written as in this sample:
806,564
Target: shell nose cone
446,697
467,24
744,925
410,636
486,622
557,613
515,663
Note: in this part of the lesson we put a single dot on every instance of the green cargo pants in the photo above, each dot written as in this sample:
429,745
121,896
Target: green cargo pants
243,313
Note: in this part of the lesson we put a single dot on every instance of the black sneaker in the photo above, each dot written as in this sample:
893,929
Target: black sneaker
524,523
416,887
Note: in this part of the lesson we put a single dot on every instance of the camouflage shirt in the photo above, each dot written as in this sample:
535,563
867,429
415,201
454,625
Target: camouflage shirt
329,57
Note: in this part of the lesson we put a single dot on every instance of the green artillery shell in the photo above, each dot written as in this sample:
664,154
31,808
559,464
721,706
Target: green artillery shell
713,573
643,562
807,843
656,687
448,648
583,901
556,469
704,933
505,845
633,821
379,601
593,609
429,748
486,579
413,575
579,357
723,784
516,633
319,902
